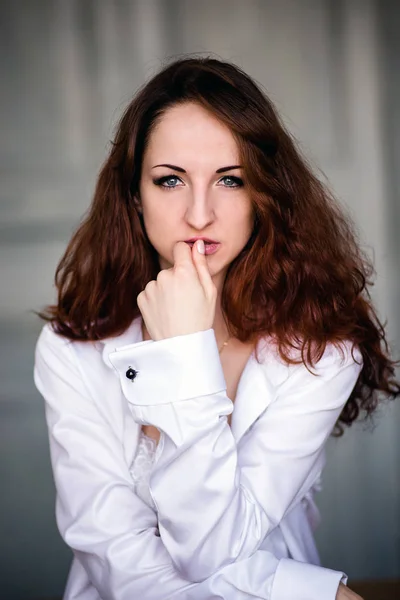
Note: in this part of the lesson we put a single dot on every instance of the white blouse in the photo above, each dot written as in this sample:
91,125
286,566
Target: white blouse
214,511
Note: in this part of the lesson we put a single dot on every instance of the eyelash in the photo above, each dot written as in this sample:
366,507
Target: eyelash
161,180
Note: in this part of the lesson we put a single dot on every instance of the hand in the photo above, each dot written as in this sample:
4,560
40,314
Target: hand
345,593
182,300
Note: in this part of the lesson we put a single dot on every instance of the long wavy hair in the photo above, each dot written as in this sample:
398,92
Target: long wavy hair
301,278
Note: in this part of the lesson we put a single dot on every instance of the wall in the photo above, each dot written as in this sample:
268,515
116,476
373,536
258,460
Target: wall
68,71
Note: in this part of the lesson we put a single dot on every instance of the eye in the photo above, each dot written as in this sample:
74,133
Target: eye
231,181
167,182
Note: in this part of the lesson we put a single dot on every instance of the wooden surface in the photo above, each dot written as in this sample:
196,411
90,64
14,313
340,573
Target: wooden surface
377,590
368,590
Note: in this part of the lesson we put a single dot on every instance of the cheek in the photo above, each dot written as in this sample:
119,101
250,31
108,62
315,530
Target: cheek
160,225
243,222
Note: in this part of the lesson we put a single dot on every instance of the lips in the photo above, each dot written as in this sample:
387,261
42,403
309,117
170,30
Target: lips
205,243
205,240
210,246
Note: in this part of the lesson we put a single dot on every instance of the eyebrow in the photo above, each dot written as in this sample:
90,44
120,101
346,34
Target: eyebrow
180,170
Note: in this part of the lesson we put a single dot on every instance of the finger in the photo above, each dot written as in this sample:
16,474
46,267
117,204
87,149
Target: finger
182,254
201,264
141,300
164,275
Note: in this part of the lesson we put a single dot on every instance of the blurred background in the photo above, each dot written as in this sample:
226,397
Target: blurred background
69,67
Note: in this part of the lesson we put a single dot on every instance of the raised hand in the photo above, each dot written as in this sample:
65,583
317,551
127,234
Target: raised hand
182,300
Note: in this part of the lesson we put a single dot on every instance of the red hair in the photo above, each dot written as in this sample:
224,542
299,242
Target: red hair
301,279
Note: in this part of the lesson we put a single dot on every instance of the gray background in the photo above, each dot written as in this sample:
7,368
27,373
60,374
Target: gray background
68,69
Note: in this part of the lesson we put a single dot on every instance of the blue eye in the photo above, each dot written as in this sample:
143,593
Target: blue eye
167,178
170,182
233,182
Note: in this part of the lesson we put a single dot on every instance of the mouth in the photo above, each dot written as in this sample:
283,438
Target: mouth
205,240
210,246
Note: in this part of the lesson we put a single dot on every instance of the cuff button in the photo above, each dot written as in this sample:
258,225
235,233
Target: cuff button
131,373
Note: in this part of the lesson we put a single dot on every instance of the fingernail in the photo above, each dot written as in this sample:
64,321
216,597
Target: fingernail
200,246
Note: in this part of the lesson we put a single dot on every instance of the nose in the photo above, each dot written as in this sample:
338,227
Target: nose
200,211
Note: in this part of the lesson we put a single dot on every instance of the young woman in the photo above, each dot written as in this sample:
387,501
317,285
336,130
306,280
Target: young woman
190,385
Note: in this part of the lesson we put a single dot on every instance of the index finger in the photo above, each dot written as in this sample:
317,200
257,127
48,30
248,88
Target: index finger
182,254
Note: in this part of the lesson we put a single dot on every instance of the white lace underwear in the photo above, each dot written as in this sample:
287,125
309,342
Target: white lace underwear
142,466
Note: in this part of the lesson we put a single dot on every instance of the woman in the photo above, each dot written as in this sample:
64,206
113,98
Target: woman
191,386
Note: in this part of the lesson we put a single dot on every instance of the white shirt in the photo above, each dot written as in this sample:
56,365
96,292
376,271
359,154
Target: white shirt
234,509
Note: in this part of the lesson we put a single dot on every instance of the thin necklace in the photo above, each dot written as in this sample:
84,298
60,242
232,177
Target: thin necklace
224,344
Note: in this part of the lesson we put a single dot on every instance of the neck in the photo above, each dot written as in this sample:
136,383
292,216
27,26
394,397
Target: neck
220,326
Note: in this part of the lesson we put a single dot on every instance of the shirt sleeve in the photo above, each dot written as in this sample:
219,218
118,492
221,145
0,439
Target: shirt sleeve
240,494
112,533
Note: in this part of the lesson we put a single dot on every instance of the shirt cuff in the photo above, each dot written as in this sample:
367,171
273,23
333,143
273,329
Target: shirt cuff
305,582
170,370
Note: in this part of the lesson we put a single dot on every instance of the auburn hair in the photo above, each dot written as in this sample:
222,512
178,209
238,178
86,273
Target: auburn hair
301,279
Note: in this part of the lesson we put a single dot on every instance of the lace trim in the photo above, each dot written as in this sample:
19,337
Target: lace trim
142,466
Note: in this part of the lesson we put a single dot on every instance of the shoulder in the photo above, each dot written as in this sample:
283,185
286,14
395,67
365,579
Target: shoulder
49,338
51,345
335,359
65,368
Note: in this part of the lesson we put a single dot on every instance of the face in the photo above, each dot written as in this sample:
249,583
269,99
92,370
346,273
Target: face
191,186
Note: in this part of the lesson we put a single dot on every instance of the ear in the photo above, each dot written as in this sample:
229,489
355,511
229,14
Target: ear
136,200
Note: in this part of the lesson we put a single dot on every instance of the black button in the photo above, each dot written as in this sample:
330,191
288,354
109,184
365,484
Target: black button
131,373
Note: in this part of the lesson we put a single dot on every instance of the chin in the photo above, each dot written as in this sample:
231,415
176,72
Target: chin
217,271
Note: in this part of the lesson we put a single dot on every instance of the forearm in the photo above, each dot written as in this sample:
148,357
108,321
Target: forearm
260,577
229,525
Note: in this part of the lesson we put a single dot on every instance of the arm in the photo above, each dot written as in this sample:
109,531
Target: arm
240,494
111,531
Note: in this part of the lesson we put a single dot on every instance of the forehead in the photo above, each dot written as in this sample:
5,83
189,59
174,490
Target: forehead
189,133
